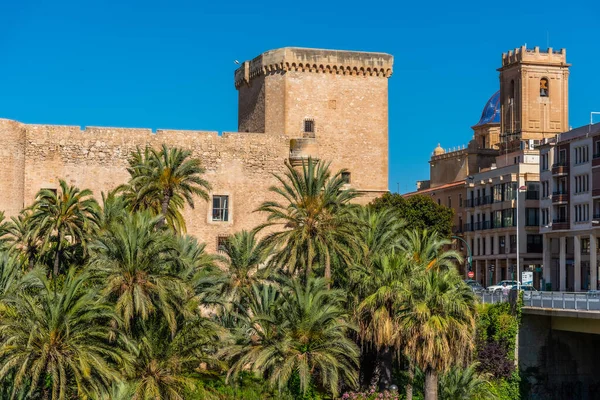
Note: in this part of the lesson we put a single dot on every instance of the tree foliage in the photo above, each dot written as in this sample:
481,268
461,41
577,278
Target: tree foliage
419,211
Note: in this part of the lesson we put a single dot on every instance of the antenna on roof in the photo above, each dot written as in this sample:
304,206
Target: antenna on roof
547,39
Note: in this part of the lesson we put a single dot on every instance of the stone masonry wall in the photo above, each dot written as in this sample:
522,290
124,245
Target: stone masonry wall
237,164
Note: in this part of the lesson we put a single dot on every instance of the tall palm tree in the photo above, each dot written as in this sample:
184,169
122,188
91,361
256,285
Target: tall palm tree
437,321
312,220
379,288
245,261
135,262
67,217
297,330
168,175
62,339
430,249
466,384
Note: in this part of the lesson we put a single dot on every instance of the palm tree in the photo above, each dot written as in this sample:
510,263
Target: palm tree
68,217
4,231
60,338
379,288
24,239
163,367
466,384
437,322
168,175
135,262
429,248
245,261
312,220
297,330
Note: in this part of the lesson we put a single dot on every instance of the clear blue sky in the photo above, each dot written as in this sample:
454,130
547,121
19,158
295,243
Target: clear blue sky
169,64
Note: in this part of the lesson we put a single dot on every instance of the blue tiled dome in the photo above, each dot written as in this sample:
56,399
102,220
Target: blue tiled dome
491,111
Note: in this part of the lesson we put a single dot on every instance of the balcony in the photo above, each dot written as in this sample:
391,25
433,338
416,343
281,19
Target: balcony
596,160
560,168
468,227
560,223
486,225
560,196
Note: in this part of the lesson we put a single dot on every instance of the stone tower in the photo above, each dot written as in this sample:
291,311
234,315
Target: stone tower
331,104
534,87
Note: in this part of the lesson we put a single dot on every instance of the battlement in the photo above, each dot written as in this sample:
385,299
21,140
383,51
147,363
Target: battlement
534,56
124,133
315,60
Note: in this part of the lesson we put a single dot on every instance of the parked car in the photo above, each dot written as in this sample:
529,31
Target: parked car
497,288
475,286
527,290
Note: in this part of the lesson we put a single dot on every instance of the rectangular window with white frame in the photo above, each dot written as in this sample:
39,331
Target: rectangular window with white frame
220,209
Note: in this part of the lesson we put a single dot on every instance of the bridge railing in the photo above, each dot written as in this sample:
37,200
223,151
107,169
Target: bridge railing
585,301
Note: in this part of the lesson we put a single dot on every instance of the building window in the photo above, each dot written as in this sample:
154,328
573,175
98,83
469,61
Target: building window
460,202
597,153
492,245
439,202
513,243
585,246
582,154
544,87
544,162
582,212
221,242
220,210
562,157
532,217
346,177
582,183
449,202
534,243
309,126
502,244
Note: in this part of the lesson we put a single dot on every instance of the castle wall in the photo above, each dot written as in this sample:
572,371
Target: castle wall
237,164
351,120
12,166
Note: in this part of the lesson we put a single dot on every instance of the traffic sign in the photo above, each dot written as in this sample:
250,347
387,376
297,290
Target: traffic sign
471,274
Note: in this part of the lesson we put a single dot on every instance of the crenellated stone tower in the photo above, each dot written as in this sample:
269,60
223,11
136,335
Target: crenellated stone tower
332,104
534,94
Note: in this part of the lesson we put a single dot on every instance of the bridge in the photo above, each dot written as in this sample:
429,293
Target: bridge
558,342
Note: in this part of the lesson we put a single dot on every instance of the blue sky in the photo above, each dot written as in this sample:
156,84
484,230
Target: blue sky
169,64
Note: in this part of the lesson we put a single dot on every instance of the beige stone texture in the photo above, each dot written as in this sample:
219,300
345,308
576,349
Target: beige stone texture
525,113
344,93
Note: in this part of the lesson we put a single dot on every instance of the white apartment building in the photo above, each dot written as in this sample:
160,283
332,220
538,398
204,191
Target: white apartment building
491,218
570,209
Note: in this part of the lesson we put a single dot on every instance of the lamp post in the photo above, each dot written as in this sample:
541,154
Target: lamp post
469,255
518,229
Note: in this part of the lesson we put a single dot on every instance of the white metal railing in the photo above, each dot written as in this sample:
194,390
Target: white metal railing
586,301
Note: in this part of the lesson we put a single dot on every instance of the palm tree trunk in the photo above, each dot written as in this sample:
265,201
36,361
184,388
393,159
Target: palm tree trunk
165,208
57,255
411,377
328,269
385,361
431,384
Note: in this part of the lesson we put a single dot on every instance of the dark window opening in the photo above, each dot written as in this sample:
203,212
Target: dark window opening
221,242
220,210
346,177
544,87
309,126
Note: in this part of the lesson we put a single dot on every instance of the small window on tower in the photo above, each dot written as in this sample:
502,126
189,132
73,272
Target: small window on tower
309,126
346,177
544,87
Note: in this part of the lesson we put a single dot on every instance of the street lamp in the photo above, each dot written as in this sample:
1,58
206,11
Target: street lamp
518,250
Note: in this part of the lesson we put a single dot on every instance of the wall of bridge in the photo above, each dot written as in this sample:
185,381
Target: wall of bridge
559,357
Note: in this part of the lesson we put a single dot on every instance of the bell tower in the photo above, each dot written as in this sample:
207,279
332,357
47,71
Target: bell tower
534,94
